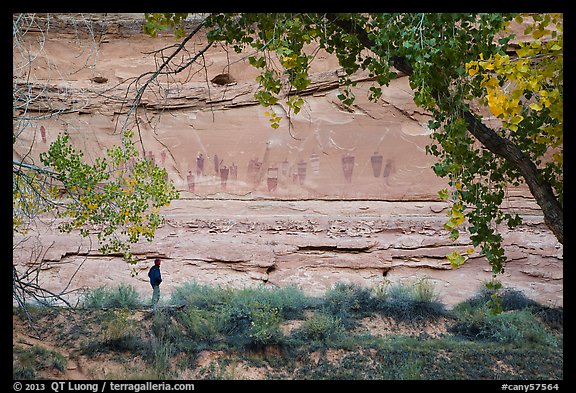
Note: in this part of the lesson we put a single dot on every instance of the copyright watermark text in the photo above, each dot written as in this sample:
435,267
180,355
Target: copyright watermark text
527,387
100,387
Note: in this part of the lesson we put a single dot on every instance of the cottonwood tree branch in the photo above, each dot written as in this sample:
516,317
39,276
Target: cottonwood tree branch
26,286
502,147
541,190
164,69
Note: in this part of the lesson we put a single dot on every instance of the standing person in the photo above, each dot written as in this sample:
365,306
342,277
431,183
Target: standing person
155,280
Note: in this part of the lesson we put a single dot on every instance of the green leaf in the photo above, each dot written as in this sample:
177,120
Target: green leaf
443,194
456,260
454,234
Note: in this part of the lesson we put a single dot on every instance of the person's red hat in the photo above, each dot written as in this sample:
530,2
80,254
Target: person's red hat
157,261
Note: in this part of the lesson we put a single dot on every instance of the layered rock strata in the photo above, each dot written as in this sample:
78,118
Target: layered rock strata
308,244
334,194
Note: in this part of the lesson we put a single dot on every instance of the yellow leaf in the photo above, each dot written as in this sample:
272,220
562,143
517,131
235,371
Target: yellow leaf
495,105
522,67
517,119
490,82
488,66
538,34
523,52
455,259
556,47
536,107
558,157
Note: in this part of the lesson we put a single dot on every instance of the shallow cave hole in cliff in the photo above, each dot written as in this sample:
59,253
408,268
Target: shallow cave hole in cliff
223,79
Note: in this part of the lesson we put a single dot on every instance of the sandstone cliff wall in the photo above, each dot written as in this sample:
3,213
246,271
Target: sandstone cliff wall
333,194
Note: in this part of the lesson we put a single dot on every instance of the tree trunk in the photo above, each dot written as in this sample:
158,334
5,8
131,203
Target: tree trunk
541,191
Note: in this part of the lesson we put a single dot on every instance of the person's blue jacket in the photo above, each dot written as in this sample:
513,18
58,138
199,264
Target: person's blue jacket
155,276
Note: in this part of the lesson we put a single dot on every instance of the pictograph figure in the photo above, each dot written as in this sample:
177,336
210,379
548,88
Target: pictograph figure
190,180
272,179
376,161
387,168
253,170
224,171
285,167
302,165
315,163
200,165
43,134
233,172
151,157
216,164
348,166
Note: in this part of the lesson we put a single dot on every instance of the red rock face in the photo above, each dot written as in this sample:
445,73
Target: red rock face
334,194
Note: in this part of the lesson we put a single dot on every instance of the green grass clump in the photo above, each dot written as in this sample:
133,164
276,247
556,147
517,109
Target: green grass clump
416,302
347,303
520,327
321,326
242,318
206,297
200,325
122,296
36,358
510,299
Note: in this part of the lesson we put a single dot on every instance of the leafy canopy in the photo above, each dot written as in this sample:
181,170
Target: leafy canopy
118,196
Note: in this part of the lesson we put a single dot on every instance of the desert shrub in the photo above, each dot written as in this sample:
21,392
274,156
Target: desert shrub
347,302
265,325
250,324
423,291
551,317
161,354
290,301
200,325
122,296
36,358
119,332
235,319
19,372
509,298
321,326
199,296
240,317
415,302
514,327
163,326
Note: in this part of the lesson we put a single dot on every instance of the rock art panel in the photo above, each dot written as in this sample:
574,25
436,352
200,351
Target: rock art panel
220,125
